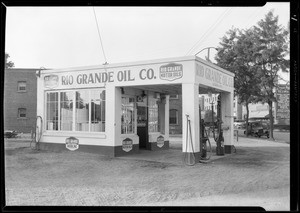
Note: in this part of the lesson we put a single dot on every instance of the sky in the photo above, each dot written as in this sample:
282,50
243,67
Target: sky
63,37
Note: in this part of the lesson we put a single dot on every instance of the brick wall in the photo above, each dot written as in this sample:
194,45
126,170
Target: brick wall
176,104
13,99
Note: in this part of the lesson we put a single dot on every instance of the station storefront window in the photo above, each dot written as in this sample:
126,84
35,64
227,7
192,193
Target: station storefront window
52,111
153,125
84,108
66,110
97,106
128,115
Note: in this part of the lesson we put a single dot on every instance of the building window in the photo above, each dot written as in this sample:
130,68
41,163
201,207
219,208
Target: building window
173,96
153,125
128,115
173,117
52,111
22,113
83,108
97,111
21,86
66,111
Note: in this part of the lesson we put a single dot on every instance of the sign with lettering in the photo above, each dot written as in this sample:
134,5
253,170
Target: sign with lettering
160,141
51,81
170,71
283,102
127,144
217,78
72,143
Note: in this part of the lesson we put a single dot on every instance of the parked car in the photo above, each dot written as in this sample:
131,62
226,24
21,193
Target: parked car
258,129
10,134
239,124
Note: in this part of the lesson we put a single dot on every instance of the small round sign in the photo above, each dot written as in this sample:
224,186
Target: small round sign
160,141
127,144
72,143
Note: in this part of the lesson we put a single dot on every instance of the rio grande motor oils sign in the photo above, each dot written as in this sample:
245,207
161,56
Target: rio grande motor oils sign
72,143
171,71
160,141
127,144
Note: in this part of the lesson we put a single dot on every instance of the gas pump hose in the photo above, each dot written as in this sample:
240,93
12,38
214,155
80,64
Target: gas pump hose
210,150
191,140
34,135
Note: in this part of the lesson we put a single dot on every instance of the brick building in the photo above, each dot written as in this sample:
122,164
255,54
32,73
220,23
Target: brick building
175,114
20,89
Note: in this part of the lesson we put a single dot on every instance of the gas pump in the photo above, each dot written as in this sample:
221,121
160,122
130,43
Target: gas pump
204,140
219,138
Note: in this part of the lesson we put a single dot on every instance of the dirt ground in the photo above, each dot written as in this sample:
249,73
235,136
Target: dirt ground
258,174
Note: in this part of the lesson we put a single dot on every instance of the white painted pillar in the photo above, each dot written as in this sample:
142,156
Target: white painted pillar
227,118
190,106
112,113
41,103
167,110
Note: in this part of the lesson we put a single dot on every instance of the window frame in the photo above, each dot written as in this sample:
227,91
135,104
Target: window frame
153,110
73,110
176,114
135,115
19,110
18,86
174,98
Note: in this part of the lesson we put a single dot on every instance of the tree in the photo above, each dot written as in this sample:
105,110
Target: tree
272,44
8,64
237,54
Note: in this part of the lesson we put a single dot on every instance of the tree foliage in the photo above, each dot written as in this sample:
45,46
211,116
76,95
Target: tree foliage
8,64
272,56
236,54
256,55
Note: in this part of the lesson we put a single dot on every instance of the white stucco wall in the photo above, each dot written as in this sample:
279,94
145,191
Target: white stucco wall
189,71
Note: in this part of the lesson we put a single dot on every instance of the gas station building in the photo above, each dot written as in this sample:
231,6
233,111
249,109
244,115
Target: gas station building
118,109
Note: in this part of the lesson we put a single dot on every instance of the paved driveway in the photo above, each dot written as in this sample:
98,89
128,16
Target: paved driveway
256,175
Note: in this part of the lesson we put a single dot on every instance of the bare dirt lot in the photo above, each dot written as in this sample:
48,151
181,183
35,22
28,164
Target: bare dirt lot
258,174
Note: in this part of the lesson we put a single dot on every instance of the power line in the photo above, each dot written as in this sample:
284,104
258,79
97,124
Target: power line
210,29
100,36
255,14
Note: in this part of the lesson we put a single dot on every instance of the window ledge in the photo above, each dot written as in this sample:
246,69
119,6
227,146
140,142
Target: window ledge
22,91
22,118
75,134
